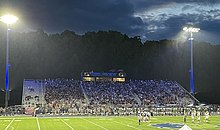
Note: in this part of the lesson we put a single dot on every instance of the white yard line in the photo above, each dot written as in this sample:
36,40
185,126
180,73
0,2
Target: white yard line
127,125
38,124
67,124
5,118
19,118
95,124
10,123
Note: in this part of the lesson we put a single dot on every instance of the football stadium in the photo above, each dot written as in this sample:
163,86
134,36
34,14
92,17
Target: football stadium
107,101
109,65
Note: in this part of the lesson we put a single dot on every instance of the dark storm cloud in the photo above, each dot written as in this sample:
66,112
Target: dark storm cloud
166,19
151,19
187,7
173,25
80,16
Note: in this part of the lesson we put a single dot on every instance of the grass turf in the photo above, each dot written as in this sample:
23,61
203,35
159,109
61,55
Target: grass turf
101,123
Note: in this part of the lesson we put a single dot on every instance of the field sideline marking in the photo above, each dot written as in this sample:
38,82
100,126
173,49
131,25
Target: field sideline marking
38,124
9,124
127,125
95,124
67,124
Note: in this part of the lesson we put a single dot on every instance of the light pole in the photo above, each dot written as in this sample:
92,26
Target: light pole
8,19
191,30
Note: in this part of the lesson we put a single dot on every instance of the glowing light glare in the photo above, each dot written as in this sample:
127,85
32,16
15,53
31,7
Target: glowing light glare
191,29
180,37
9,19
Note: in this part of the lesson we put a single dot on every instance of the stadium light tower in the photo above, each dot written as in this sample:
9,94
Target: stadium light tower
8,20
191,30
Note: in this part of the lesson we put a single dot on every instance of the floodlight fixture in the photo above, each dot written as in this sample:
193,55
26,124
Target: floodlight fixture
9,19
191,29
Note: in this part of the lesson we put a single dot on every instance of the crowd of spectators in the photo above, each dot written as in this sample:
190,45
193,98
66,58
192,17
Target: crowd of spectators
12,110
75,97
160,92
112,93
150,92
105,97
63,95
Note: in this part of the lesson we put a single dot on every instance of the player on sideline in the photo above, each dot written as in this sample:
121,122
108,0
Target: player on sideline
184,116
207,116
34,112
146,117
193,114
139,118
198,116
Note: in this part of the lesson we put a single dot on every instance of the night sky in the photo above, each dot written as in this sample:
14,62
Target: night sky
150,19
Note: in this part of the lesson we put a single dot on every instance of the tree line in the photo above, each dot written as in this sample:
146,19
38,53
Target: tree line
38,55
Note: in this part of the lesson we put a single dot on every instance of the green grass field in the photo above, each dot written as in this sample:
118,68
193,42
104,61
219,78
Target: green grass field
100,123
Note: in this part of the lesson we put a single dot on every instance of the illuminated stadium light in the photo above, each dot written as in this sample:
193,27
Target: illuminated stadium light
191,30
9,19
